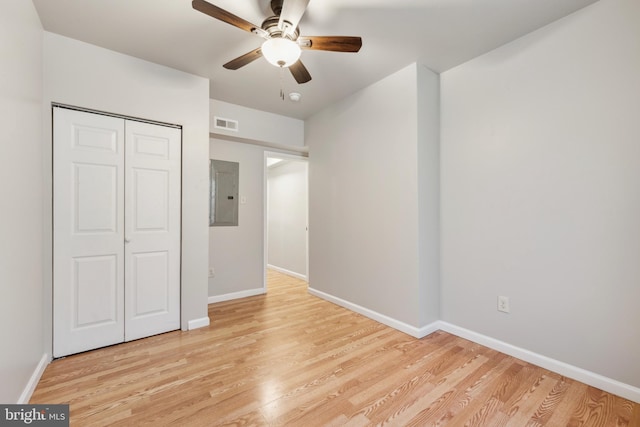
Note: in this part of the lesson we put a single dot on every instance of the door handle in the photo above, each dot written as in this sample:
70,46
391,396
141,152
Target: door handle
127,240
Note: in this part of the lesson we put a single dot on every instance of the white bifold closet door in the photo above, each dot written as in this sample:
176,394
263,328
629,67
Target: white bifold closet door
116,230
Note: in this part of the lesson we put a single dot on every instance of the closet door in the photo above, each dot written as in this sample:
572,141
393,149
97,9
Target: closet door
88,231
152,229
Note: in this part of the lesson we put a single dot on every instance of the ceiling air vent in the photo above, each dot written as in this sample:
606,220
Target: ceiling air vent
227,124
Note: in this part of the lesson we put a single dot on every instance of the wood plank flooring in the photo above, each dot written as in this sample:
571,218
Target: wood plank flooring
289,358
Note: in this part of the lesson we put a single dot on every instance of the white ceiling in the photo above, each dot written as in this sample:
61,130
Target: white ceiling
437,33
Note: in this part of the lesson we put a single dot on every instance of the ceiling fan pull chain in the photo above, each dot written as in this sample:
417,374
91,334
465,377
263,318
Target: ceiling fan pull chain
282,83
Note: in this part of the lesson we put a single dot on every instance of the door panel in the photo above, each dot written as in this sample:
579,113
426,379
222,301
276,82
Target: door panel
150,212
88,231
226,205
152,251
149,146
94,292
151,282
95,204
96,139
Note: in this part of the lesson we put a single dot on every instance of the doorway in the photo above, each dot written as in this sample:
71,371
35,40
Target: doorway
286,216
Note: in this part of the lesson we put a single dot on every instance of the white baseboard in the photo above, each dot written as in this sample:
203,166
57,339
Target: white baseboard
428,329
385,320
203,322
288,272
590,378
33,380
237,295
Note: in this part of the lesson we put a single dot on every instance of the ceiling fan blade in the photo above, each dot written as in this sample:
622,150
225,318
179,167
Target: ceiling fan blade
292,11
224,16
331,43
243,60
300,72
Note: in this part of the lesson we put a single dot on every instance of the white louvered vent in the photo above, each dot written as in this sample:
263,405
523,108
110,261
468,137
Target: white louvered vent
227,124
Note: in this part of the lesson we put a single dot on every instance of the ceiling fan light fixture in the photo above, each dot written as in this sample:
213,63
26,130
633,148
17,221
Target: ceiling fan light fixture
281,52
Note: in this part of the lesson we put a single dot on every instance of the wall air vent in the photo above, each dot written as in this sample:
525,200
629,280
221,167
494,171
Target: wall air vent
226,124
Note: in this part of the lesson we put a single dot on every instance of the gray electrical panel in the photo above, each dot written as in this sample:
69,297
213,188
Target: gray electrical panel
223,198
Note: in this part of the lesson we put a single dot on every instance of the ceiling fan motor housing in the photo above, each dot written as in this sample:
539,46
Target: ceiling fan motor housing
270,25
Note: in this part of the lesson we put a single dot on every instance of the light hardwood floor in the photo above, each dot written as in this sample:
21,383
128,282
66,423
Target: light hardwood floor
289,358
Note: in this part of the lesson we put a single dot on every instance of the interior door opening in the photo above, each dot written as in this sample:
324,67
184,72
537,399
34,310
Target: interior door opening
286,215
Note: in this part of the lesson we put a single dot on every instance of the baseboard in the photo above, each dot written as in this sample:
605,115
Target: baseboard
428,329
203,322
288,272
590,378
33,380
237,295
385,320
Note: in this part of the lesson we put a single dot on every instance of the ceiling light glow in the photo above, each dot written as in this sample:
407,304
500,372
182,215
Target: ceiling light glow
281,52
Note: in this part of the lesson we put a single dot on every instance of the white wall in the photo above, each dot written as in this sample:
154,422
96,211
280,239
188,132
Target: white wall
22,189
237,253
428,159
287,214
258,126
366,232
541,193
84,75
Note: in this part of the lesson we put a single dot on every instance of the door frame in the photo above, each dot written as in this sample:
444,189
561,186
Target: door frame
265,210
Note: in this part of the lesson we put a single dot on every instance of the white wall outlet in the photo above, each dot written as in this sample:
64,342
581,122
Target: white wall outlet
503,304
212,272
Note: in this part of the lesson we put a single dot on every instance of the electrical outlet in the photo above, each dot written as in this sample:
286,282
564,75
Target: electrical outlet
503,304
212,272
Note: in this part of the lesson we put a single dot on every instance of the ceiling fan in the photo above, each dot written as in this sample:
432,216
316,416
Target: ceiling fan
283,42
